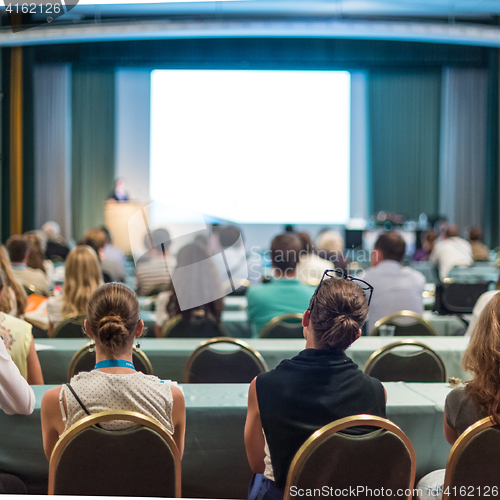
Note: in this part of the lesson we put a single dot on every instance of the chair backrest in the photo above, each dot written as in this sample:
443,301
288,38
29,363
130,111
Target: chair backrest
380,459
406,361
200,326
84,361
288,326
473,462
458,298
140,461
70,328
236,363
407,323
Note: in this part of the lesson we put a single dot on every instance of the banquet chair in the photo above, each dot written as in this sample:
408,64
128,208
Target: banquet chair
91,461
416,362
383,458
288,326
473,462
84,361
200,325
236,362
70,328
407,323
458,298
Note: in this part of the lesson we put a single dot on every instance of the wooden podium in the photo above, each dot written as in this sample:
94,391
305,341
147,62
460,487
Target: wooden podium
116,217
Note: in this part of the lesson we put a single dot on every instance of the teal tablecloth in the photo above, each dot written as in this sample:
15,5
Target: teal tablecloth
169,356
235,323
214,463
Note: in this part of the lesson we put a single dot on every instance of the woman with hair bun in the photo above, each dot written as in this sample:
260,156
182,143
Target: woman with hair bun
318,386
114,384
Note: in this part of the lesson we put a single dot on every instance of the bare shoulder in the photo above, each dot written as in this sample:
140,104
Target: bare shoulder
177,394
51,396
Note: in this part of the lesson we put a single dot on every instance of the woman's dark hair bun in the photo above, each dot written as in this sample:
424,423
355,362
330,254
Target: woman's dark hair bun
109,327
340,310
113,315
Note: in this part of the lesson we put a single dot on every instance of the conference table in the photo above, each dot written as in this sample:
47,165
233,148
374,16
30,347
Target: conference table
235,323
214,463
169,355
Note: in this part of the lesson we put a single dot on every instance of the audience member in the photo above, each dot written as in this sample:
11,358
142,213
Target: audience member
396,288
82,277
330,246
56,248
13,299
19,343
112,270
311,267
480,397
34,279
479,306
36,255
152,272
285,294
16,397
113,322
480,252
200,287
451,252
112,252
428,240
318,386
235,258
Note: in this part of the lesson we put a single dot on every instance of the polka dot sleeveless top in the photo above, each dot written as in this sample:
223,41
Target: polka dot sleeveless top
100,391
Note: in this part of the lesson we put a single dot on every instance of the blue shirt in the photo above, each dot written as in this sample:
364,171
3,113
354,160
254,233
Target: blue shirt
281,296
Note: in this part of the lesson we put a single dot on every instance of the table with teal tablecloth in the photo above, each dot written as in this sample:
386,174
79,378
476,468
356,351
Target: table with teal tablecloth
214,463
235,323
169,356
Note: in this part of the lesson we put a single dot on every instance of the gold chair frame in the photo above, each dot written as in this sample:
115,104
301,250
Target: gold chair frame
171,323
105,416
223,340
82,351
320,435
404,314
278,319
458,447
389,347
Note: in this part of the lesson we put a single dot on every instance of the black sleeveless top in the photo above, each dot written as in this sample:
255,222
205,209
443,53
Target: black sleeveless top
301,395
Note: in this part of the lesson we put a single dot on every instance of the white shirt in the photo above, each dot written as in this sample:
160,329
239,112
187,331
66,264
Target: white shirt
449,253
395,288
481,303
16,396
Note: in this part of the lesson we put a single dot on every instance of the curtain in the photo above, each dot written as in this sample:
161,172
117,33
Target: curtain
463,146
52,124
404,132
93,145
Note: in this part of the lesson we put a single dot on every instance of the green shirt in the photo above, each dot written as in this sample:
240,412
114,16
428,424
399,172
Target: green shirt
281,296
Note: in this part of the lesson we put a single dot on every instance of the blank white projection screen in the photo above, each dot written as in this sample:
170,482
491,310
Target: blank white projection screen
252,146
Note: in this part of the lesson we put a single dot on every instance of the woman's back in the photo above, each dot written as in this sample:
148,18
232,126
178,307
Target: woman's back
100,391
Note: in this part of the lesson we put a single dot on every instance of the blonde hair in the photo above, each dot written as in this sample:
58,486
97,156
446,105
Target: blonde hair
10,283
330,241
82,277
482,359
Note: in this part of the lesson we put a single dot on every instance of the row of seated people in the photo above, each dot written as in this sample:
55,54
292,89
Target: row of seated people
397,287
319,385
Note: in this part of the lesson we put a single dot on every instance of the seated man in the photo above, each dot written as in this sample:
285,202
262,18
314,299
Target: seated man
480,252
18,249
451,252
285,294
152,272
395,288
